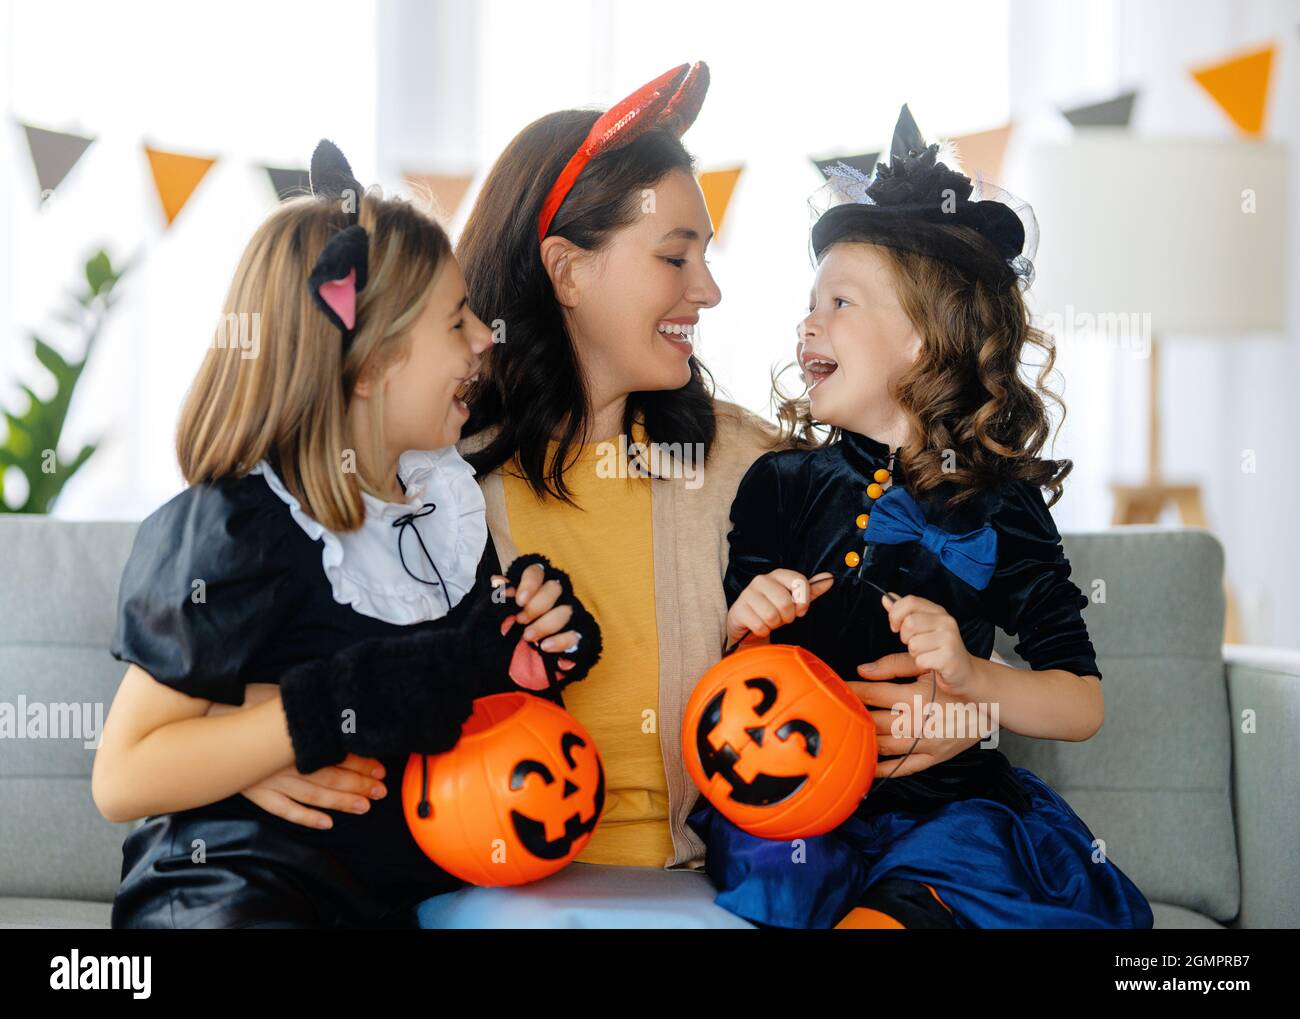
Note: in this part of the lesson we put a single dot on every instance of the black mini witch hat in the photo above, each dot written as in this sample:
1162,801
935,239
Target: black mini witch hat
919,203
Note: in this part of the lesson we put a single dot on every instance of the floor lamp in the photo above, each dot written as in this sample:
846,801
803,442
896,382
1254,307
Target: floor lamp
1180,236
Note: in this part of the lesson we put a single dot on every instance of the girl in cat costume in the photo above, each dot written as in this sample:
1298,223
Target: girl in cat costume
331,544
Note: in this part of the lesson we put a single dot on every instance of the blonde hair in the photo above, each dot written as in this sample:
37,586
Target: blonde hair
289,401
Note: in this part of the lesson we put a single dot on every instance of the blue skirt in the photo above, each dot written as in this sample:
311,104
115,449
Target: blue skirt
994,866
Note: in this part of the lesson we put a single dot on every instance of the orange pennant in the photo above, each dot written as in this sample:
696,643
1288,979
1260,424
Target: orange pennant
718,186
1240,87
175,177
445,190
980,154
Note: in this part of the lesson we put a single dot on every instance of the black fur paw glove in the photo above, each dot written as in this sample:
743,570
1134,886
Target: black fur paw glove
382,697
526,664
390,696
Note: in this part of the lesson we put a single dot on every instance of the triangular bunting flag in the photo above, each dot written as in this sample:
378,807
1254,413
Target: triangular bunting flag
864,163
1240,87
175,176
54,153
980,154
718,186
1115,112
445,190
289,183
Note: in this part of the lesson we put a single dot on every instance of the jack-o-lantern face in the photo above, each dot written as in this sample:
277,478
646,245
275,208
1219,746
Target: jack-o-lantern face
778,743
762,790
531,831
515,800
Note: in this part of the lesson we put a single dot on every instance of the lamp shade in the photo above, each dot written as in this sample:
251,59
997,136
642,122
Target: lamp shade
1156,226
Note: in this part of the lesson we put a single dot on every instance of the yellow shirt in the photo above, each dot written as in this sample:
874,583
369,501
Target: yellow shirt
605,544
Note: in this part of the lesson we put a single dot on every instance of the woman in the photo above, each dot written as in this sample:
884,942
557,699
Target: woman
596,276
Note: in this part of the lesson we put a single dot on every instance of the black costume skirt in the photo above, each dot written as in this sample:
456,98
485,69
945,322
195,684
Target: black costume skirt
198,868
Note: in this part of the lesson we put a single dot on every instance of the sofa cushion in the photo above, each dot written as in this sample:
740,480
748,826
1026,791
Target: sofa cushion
1169,917
61,914
58,603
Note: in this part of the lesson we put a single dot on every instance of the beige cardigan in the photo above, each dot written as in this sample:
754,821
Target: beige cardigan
690,527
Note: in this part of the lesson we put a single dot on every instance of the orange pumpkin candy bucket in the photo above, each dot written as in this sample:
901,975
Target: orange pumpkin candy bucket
515,800
778,743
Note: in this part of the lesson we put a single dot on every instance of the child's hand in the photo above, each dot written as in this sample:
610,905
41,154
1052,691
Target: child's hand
348,786
933,640
772,600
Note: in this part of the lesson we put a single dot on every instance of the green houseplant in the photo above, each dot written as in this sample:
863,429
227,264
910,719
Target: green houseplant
31,441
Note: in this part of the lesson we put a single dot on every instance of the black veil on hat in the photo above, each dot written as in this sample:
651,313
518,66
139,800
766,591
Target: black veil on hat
914,202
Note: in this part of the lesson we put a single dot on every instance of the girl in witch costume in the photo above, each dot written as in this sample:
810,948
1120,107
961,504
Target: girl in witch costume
901,540
328,551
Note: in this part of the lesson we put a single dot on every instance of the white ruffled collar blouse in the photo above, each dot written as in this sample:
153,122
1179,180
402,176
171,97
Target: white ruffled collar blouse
364,566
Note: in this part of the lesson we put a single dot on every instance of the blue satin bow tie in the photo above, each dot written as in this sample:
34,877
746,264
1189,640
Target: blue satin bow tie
896,518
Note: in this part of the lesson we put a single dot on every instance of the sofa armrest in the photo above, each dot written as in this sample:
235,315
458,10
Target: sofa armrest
1264,701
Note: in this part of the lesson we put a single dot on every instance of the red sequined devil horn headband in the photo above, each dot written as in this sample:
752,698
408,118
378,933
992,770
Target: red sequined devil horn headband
672,101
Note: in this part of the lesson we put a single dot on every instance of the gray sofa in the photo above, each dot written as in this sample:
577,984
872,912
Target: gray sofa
1193,782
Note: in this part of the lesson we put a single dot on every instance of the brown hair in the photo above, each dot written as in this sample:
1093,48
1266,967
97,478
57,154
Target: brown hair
964,393
532,385
289,401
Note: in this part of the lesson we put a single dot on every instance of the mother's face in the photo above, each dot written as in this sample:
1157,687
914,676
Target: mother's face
632,307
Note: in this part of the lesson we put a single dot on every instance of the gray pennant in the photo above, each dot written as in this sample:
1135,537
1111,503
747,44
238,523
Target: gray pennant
288,183
1112,113
864,163
54,153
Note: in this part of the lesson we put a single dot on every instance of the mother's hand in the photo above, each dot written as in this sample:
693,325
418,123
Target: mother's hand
290,794
880,697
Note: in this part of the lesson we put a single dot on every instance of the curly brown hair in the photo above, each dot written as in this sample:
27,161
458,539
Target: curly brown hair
964,398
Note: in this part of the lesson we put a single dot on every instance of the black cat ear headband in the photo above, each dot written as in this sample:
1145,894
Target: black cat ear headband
342,270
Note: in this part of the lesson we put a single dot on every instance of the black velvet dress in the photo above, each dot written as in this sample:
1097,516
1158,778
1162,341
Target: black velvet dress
802,510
